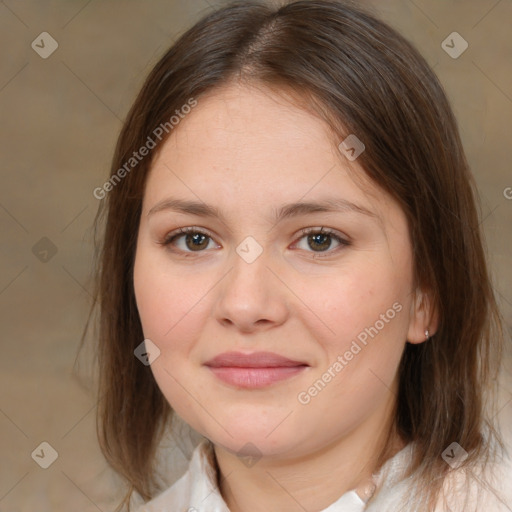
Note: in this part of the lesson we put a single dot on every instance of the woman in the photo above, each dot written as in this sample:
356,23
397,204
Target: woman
292,264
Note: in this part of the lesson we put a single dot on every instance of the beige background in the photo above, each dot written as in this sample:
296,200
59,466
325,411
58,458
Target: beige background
60,119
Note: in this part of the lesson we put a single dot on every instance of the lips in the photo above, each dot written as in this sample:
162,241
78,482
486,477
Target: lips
255,370
256,360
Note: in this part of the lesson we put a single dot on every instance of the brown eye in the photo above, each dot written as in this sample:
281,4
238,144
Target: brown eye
320,241
188,240
196,241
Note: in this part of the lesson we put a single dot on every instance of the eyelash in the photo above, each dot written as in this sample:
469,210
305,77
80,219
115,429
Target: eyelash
172,237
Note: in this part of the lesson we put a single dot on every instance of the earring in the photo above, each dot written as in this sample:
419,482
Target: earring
427,335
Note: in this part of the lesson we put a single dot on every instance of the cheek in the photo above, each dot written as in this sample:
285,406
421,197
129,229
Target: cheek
368,298
369,320
367,310
172,309
170,304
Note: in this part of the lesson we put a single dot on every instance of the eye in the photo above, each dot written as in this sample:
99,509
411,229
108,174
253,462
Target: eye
188,240
320,240
191,239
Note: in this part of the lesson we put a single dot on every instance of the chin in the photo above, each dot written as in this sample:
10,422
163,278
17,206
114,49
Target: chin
253,439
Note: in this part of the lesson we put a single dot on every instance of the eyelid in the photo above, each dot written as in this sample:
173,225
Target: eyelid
323,230
169,241
342,239
184,231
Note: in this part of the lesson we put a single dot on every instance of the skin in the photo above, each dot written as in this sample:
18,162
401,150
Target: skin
247,151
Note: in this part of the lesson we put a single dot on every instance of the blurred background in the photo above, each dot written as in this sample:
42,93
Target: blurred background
68,74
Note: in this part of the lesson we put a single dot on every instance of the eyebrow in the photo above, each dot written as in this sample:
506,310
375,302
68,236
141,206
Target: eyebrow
327,205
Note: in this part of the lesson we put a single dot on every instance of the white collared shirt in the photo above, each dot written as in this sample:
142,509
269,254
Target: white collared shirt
197,490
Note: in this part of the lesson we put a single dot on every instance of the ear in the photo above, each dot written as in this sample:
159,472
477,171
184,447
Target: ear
423,317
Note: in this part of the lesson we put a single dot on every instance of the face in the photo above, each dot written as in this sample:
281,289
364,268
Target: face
278,288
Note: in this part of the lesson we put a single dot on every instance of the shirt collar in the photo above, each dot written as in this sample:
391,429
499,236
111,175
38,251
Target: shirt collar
203,466
197,489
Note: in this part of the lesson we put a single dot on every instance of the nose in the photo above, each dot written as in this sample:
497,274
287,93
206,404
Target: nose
251,298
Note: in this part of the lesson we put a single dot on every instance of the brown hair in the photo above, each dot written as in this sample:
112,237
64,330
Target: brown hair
364,78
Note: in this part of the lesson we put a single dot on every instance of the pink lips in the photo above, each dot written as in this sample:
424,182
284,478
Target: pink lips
253,370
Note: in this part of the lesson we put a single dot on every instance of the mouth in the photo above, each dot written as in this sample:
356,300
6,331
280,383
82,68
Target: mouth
252,371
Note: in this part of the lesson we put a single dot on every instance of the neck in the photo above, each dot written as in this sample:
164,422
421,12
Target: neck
311,482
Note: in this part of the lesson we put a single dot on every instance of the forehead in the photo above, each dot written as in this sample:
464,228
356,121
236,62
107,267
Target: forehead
248,128
253,146
248,119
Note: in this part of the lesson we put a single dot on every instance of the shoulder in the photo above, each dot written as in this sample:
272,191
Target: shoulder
478,489
463,491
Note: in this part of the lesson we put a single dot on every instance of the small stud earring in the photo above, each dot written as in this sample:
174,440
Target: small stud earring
427,334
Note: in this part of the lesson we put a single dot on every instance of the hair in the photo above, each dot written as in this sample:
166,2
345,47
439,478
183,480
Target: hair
361,77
